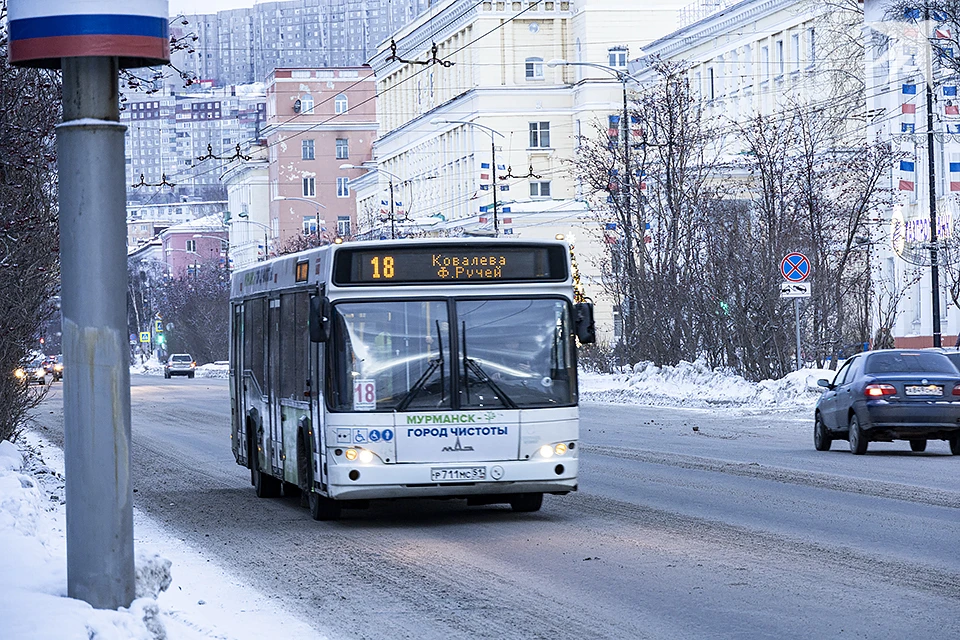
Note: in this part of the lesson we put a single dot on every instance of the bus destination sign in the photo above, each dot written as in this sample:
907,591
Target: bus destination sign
449,264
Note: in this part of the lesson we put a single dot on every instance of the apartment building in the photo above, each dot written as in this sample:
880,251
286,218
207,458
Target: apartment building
317,120
241,46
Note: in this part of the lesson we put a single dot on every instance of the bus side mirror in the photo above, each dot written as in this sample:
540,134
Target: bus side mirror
319,319
586,331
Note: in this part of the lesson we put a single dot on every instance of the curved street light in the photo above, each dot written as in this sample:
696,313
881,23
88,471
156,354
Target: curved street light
623,78
391,177
493,159
245,217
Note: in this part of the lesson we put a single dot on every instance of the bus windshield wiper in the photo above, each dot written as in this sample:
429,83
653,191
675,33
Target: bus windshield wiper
474,366
422,381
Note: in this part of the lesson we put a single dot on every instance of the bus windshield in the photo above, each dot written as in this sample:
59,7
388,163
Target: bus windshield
508,353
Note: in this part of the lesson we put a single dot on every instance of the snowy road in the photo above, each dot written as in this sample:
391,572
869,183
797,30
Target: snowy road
737,529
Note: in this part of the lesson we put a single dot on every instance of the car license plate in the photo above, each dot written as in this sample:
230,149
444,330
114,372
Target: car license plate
457,474
923,390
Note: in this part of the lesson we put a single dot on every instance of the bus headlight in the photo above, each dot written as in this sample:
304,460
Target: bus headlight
550,450
365,456
350,454
560,449
546,451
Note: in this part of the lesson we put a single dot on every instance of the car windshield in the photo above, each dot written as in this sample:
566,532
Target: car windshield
181,359
909,362
507,353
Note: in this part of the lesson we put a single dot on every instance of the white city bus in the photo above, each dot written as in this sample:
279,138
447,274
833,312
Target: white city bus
416,368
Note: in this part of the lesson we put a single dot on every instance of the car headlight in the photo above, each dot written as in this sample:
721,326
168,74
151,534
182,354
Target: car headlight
58,367
20,373
40,372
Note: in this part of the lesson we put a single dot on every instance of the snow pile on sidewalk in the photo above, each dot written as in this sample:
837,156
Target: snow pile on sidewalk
694,384
33,572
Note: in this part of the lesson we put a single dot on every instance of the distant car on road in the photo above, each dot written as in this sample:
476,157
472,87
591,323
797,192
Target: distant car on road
32,372
179,364
890,394
54,366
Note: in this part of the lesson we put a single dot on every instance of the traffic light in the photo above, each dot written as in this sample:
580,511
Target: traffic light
161,340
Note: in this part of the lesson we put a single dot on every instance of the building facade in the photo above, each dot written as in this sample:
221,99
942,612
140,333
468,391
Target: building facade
479,128
241,46
177,145
317,120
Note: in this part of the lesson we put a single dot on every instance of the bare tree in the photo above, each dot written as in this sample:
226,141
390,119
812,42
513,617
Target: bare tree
196,312
29,236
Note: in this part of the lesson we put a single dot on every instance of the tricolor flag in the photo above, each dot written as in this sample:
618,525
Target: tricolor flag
508,221
908,108
907,179
384,206
483,220
955,176
941,32
508,232
484,171
505,209
908,124
953,128
504,187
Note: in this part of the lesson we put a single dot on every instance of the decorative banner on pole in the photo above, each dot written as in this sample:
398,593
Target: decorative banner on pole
41,33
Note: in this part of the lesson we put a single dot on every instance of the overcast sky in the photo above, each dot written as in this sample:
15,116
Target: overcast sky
206,6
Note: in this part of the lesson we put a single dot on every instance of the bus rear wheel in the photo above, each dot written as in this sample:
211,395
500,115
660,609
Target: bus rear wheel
265,485
526,502
322,508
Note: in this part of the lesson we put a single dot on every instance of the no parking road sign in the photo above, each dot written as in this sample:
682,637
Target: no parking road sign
795,267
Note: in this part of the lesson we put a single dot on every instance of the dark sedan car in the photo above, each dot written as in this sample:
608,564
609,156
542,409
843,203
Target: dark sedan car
890,394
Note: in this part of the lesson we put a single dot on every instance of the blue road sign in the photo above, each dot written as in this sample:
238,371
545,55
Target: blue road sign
795,267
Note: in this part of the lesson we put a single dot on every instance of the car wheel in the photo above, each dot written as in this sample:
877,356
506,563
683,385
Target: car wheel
166,375
858,441
265,485
918,445
322,508
955,445
821,436
526,502
190,375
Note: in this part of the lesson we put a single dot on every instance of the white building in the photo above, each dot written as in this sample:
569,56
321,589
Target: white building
477,129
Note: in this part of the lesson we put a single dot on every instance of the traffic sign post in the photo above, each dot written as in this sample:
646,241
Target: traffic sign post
795,268
91,41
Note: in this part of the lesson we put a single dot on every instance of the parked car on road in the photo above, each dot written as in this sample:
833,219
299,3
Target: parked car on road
179,364
890,394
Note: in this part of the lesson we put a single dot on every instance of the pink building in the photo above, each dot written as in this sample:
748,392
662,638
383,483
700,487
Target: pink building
317,120
189,245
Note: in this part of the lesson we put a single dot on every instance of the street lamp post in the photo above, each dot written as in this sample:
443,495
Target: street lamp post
266,244
493,160
390,178
313,202
225,252
625,185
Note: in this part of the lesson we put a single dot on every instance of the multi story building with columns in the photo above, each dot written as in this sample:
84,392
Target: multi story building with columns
477,127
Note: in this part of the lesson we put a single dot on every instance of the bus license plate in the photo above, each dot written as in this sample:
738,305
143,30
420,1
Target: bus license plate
457,474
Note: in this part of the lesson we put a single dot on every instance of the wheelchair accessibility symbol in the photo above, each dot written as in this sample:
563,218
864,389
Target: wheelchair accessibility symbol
374,435
360,436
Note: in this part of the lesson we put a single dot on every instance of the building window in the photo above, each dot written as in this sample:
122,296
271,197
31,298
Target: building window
343,149
309,187
811,47
191,246
343,226
711,87
307,150
533,69
779,57
343,187
309,225
340,104
617,57
540,189
539,134
795,51
765,70
306,104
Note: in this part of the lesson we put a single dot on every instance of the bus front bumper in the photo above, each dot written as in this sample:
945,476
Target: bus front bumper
359,482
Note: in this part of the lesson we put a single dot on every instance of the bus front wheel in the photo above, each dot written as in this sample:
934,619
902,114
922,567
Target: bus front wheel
526,502
322,508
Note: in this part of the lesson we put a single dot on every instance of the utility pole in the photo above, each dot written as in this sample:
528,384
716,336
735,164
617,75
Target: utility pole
932,190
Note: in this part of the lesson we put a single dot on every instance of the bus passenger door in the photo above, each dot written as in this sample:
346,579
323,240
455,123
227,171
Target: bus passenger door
238,409
317,413
273,388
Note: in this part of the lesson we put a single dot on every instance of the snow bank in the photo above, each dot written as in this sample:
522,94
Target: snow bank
152,367
694,384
